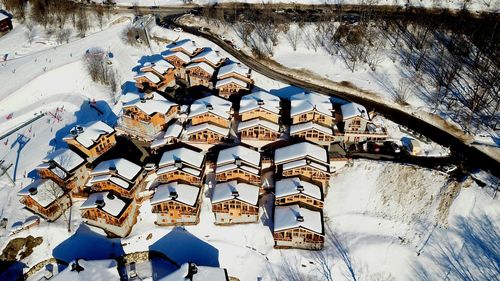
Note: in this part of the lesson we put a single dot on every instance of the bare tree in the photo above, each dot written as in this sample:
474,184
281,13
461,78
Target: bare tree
293,36
63,35
402,92
30,32
82,23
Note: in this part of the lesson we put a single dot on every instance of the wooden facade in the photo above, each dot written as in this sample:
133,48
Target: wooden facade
108,185
167,79
114,226
139,124
310,172
260,113
234,211
75,182
51,212
206,135
313,135
104,143
355,124
259,132
314,116
238,173
236,75
232,88
181,176
198,76
210,117
298,237
176,213
302,199
180,65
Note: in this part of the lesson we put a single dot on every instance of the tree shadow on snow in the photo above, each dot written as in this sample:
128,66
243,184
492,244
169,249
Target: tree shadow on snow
478,258
89,245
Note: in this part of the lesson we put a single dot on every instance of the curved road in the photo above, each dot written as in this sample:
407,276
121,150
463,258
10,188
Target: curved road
464,155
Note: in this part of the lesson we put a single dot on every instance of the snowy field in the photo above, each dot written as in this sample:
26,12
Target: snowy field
384,221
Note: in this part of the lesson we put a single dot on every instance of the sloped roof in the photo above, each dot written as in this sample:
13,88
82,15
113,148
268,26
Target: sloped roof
207,126
183,154
257,121
173,131
267,101
203,65
289,186
285,217
234,67
47,191
180,55
124,168
91,133
219,106
188,45
299,151
96,270
230,80
113,204
353,109
230,155
203,273
160,66
310,126
150,76
246,192
157,104
305,102
65,158
185,193
211,56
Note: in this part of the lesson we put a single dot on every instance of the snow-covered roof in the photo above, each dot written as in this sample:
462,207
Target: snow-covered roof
304,162
65,158
297,128
43,191
183,193
299,151
116,180
170,168
89,133
230,190
353,109
180,55
230,80
232,166
156,104
96,270
205,66
160,66
305,102
239,152
211,56
257,121
187,45
203,273
123,167
234,67
290,186
186,155
207,126
113,205
213,104
150,76
260,99
173,131
3,16
287,217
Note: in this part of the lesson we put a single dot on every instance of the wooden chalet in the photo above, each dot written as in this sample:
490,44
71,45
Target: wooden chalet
181,164
312,132
260,105
234,202
357,125
238,163
211,109
237,71
297,227
176,204
290,191
210,57
92,139
259,129
186,46
179,60
191,271
200,74
46,198
113,214
231,86
303,159
161,69
169,136
5,22
67,169
206,133
145,117
120,176
306,107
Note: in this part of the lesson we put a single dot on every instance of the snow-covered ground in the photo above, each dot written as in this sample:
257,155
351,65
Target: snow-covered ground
384,221
486,5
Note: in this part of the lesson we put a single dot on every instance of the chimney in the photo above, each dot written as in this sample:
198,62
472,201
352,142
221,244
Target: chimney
110,196
112,168
194,43
79,129
217,52
173,194
76,267
74,132
193,269
300,188
33,190
100,203
237,161
178,163
260,102
209,106
235,193
148,95
300,218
